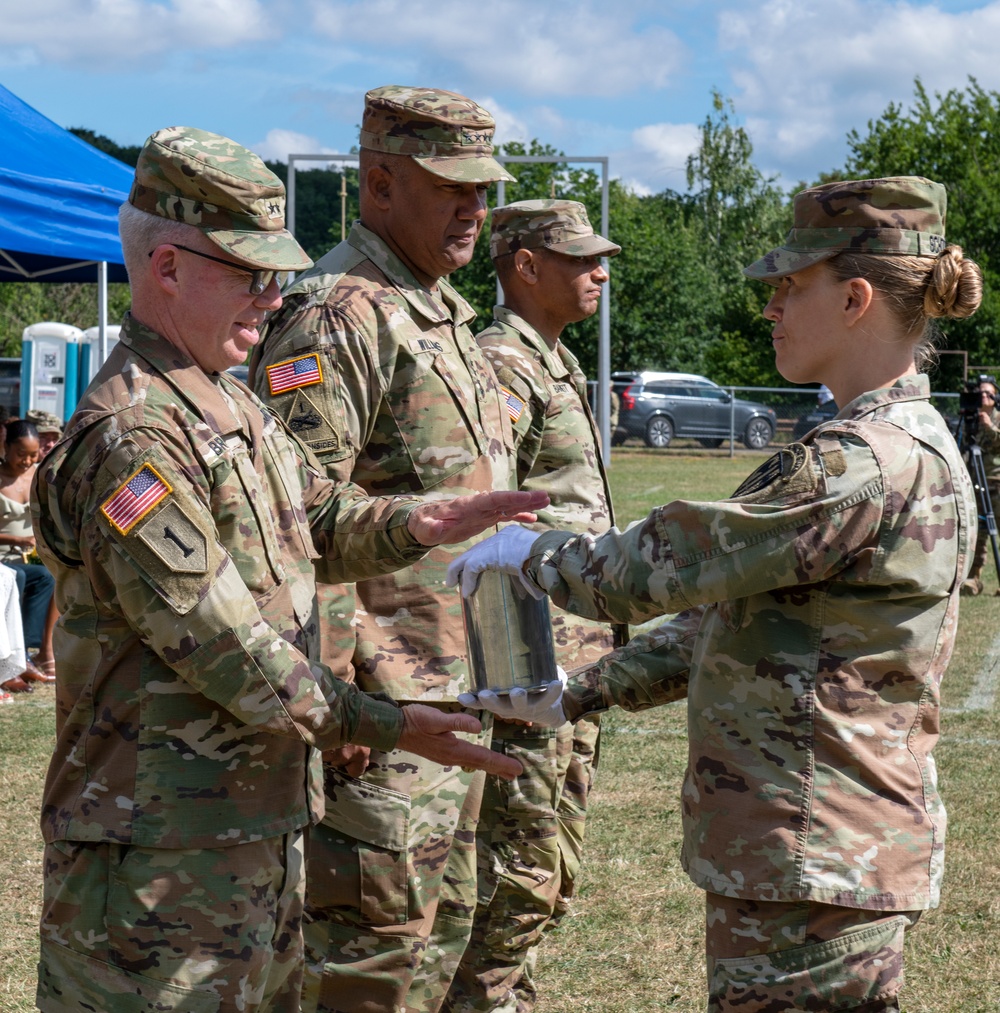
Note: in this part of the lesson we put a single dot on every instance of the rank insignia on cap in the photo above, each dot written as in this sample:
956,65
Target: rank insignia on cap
514,404
294,373
135,499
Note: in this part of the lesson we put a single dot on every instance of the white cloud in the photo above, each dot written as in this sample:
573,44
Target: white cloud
808,71
279,144
509,126
659,153
556,48
124,32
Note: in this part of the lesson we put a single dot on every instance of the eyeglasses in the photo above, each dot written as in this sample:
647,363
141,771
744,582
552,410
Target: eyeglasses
259,280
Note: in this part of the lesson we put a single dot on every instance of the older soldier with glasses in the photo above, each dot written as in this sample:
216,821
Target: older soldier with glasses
183,524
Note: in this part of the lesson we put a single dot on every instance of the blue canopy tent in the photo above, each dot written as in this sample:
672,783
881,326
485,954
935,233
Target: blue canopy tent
59,201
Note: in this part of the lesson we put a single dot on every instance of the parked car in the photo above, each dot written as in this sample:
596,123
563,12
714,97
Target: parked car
659,406
809,420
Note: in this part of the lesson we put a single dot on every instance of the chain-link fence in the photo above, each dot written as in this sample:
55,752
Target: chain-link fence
682,414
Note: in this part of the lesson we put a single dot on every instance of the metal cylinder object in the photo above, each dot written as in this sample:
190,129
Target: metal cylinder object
508,634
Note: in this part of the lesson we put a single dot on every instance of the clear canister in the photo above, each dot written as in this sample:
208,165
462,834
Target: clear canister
508,634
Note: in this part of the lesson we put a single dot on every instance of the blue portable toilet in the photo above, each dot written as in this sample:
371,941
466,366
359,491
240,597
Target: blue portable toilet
50,368
90,353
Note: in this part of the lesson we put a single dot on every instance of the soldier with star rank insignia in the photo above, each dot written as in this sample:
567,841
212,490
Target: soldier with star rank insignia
816,614
398,398
530,834
184,525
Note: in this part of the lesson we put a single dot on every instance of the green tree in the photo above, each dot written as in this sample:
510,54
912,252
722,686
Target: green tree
536,180
953,139
318,203
128,153
742,214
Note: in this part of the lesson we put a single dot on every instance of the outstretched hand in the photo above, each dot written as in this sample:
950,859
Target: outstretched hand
446,521
430,732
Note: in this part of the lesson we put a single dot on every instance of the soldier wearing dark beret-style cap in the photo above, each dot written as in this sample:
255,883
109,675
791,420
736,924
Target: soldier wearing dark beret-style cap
184,525
404,401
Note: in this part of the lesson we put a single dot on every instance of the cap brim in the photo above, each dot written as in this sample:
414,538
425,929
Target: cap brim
270,251
474,169
779,263
586,246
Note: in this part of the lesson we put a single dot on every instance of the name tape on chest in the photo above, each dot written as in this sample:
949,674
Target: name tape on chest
134,499
418,345
294,373
515,406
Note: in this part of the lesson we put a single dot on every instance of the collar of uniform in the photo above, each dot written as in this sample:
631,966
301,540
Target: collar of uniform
914,387
444,307
192,384
555,365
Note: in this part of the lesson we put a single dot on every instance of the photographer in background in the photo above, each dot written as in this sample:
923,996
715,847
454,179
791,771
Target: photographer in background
988,438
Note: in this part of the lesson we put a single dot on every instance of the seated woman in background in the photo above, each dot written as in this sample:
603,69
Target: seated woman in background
34,582
13,659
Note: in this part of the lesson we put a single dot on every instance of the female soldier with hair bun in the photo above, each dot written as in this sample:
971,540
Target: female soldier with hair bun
818,608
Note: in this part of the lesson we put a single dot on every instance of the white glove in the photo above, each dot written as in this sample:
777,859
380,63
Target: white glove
544,708
506,551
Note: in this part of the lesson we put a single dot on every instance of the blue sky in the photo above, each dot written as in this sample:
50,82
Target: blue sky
630,79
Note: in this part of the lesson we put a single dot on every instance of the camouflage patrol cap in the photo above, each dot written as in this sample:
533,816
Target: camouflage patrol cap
448,134
560,225
44,422
898,215
217,185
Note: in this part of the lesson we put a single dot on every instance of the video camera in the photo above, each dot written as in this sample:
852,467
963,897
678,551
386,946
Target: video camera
970,404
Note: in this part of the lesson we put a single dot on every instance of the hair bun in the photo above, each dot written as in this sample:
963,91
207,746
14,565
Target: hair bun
955,287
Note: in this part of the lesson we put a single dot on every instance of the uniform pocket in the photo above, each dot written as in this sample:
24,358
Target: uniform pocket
435,412
69,981
845,973
363,850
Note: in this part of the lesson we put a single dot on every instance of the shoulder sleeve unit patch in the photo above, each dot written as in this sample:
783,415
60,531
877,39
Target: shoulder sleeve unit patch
294,373
135,498
787,471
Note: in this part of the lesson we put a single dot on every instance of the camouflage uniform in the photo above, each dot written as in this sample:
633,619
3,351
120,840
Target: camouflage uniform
186,631
405,403
820,606
819,609
531,830
182,524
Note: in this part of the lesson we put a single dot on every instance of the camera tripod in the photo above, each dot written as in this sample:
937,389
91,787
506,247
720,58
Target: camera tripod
972,454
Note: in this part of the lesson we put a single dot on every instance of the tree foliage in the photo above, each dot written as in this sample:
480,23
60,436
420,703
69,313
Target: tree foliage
953,139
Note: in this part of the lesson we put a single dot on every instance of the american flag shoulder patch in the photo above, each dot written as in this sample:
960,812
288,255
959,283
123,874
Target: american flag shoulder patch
514,404
135,498
294,373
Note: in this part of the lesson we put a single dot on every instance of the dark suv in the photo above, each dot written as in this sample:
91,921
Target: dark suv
659,406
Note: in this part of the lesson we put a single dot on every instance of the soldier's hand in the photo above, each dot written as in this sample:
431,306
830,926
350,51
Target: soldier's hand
352,759
544,707
429,732
506,551
446,521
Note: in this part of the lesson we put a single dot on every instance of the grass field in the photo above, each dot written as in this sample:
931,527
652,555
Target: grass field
634,944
